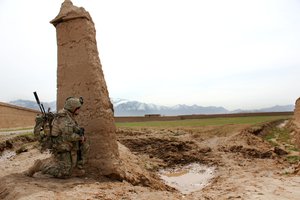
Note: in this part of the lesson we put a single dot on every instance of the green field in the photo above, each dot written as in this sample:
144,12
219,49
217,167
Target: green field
203,122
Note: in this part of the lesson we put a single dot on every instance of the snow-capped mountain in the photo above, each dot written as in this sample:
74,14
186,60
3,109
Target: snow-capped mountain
125,107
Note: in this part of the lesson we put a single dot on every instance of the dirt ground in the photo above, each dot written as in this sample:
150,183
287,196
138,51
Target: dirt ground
246,166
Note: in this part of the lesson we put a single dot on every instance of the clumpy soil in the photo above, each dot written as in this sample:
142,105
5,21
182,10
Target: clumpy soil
246,166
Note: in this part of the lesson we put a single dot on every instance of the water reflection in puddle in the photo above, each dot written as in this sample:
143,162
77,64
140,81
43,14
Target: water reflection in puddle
188,178
5,155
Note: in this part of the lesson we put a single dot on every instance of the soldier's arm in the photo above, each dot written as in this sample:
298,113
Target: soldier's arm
70,136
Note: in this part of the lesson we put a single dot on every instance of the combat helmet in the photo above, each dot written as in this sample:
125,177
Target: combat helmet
73,103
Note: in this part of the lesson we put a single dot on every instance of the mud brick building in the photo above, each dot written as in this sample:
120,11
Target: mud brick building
12,116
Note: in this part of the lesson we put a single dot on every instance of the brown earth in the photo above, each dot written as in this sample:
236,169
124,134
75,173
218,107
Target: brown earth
247,167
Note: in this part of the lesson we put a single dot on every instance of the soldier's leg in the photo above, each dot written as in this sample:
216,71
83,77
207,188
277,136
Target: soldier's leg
60,167
74,157
84,150
37,166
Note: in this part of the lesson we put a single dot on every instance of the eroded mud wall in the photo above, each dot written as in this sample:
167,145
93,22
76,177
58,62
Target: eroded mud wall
297,122
16,117
79,73
297,112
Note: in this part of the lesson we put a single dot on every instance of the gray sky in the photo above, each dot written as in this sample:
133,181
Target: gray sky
233,53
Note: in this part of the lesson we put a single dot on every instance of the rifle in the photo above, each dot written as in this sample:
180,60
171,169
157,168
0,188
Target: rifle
80,132
39,103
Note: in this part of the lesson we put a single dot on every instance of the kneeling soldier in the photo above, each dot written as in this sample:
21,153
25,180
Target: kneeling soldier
69,146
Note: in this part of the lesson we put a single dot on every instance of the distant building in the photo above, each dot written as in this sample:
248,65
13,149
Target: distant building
152,115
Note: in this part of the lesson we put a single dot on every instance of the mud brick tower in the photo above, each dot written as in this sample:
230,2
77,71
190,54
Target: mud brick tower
297,113
79,73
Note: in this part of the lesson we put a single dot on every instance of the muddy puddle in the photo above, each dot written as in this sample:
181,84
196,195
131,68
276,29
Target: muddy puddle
5,155
189,178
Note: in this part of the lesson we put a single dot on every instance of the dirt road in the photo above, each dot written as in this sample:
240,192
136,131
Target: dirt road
5,134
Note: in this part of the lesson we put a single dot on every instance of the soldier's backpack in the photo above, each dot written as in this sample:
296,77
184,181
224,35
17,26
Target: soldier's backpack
42,130
43,126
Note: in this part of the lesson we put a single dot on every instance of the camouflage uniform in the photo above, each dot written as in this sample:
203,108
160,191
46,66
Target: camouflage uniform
66,147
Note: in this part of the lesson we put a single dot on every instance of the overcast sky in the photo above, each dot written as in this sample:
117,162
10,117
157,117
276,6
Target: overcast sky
230,53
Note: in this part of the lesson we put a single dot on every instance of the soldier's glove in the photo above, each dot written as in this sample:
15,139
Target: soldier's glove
80,132
83,139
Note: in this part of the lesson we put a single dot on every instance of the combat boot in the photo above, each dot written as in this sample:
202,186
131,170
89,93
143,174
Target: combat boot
78,172
35,168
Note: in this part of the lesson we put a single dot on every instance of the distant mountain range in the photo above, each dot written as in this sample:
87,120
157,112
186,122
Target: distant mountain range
34,105
123,107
